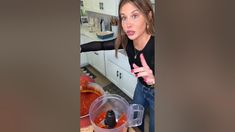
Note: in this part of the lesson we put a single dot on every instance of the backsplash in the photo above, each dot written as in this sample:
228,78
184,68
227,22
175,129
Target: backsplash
99,16
106,18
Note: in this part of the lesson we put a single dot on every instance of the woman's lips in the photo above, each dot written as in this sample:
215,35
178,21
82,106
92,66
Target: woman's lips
130,33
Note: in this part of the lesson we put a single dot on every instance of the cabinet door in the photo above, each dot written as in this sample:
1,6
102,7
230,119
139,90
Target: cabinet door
127,82
83,59
96,59
109,7
87,5
90,58
91,5
112,72
81,4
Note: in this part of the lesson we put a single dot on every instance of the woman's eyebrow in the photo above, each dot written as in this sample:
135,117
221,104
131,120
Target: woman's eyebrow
136,10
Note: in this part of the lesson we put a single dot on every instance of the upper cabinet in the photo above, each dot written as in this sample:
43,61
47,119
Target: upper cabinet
108,7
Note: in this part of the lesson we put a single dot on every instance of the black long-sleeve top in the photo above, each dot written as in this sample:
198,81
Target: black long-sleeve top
148,52
95,46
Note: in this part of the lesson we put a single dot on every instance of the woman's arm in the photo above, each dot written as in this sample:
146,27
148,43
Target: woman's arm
95,46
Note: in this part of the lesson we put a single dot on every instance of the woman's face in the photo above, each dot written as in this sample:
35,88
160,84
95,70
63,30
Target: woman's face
133,21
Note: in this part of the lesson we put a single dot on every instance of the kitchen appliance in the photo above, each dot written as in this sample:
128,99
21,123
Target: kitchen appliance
104,34
124,114
83,19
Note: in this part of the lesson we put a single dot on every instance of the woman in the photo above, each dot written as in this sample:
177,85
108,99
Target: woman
135,35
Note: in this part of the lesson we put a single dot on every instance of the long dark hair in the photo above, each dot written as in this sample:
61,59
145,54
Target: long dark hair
145,8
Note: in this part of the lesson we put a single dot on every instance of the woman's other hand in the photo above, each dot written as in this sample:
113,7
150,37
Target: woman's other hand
144,71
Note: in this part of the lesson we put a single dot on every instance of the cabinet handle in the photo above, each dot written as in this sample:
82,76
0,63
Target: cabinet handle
117,73
96,53
120,75
101,4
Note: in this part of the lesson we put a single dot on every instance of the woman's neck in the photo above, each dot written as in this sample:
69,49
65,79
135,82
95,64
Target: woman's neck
141,41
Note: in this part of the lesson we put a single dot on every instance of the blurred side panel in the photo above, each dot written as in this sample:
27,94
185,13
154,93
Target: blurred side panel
39,66
196,57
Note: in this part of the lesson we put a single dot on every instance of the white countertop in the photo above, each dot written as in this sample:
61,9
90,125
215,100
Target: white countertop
87,37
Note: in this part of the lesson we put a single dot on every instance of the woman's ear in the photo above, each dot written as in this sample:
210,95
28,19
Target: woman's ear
149,17
149,21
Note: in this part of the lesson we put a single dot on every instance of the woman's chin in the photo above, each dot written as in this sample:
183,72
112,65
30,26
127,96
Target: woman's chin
131,37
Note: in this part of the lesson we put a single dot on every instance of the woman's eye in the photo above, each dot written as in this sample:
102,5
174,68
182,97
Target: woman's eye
134,16
123,18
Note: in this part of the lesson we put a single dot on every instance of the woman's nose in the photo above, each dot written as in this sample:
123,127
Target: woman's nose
128,23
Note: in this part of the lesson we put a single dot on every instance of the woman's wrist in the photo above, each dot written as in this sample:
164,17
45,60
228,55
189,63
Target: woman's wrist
152,84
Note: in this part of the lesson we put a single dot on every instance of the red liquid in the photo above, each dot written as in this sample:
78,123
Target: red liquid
86,98
100,119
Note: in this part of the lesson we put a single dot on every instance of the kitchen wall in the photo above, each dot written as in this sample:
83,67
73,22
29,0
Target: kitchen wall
100,16
97,14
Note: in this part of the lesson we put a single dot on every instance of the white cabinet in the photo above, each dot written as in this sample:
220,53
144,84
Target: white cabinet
90,5
112,72
86,4
96,59
127,82
83,59
108,7
118,72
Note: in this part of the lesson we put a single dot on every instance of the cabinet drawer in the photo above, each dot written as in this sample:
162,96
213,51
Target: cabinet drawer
121,61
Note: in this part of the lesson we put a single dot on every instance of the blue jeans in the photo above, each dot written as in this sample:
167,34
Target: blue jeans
145,96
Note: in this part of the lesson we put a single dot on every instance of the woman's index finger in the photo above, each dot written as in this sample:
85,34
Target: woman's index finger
143,61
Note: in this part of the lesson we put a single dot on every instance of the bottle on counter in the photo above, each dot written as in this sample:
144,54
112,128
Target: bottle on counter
102,25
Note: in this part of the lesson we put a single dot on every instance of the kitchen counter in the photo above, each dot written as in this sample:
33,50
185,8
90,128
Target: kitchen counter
91,129
87,37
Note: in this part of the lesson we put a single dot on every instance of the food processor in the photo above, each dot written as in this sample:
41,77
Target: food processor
112,113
